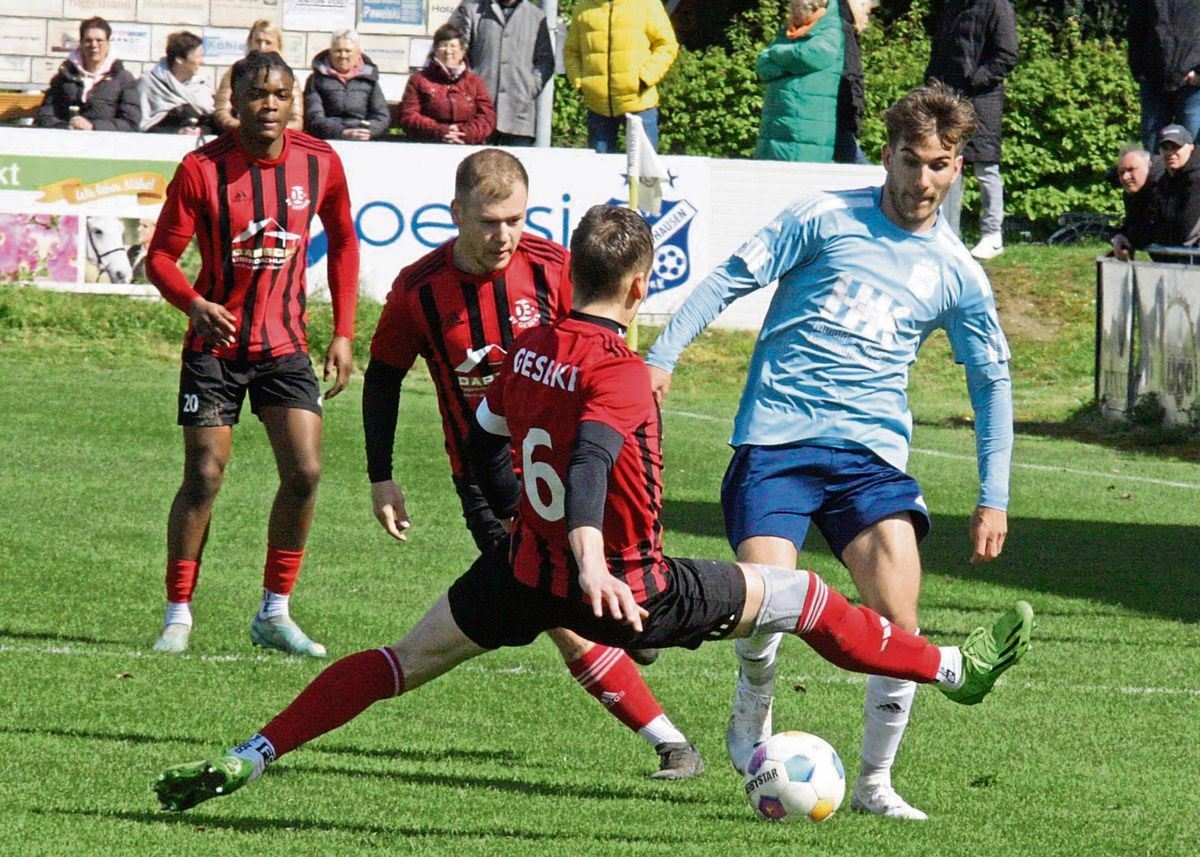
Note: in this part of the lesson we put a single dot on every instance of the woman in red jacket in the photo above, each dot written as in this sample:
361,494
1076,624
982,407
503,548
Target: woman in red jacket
445,102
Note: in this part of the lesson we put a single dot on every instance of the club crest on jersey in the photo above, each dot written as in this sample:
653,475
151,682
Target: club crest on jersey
264,244
297,198
524,314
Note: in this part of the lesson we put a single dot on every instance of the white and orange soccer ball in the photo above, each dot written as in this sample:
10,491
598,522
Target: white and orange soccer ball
794,775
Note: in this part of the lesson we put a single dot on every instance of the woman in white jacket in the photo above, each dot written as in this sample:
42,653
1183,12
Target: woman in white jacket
175,99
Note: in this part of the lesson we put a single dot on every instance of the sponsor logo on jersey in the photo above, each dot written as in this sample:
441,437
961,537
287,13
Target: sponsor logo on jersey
264,244
475,356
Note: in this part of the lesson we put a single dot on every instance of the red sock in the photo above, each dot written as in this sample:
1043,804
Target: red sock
181,579
281,570
860,640
609,675
343,690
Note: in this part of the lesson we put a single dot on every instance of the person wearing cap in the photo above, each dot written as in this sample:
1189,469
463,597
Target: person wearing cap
1176,196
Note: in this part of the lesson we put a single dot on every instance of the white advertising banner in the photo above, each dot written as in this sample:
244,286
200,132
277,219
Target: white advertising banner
108,188
318,15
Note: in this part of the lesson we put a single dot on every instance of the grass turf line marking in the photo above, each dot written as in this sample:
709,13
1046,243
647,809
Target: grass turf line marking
537,672
1017,465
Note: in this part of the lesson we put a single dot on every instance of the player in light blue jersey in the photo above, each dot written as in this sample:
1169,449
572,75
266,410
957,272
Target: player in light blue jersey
823,429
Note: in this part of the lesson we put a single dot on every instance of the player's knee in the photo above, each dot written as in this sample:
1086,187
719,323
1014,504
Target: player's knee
202,479
570,645
301,480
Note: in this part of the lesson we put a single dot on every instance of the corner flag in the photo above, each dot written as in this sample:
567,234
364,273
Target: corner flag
646,171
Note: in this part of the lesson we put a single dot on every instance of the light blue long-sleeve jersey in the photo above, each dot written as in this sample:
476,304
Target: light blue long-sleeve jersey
857,297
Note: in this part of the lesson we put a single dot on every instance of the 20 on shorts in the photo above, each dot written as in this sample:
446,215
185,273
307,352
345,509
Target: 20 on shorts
211,389
779,490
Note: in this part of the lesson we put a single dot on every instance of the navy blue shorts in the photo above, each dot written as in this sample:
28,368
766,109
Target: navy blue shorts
778,490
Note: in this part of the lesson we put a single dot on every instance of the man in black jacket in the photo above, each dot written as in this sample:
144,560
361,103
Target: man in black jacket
92,90
1164,56
974,49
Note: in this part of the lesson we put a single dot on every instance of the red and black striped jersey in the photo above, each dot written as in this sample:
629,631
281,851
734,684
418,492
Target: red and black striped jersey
252,218
464,324
557,377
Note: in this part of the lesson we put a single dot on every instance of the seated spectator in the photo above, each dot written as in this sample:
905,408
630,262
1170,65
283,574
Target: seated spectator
343,99
802,69
175,99
266,37
1135,170
92,90
445,102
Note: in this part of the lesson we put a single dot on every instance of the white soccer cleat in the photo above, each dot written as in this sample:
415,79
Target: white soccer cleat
285,635
883,800
750,720
174,638
990,246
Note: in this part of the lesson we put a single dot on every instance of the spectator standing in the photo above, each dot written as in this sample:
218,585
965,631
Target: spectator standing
974,49
616,53
445,102
852,94
802,69
266,37
174,98
508,46
92,90
1164,56
343,99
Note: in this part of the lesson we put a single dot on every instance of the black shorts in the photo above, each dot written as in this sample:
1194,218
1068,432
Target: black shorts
704,601
211,390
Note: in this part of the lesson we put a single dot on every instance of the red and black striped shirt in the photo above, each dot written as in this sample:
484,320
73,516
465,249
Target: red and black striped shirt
557,377
252,219
465,324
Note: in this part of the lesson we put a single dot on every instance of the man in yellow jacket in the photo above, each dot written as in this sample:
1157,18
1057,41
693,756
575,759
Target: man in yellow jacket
617,51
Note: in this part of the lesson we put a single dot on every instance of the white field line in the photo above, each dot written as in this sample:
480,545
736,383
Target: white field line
76,651
1017,465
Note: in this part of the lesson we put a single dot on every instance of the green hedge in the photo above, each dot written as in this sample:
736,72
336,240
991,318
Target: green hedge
1071,105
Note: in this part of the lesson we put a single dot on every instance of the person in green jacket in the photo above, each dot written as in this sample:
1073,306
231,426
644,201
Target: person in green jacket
802,69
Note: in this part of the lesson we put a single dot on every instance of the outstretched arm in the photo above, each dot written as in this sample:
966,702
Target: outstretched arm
990,387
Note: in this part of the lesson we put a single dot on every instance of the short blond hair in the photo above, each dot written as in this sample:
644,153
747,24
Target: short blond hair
488,176
346,35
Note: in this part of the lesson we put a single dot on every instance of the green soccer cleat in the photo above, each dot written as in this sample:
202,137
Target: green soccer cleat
285,635
989,652
184,786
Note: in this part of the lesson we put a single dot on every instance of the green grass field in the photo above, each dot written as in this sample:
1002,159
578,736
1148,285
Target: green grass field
1088,748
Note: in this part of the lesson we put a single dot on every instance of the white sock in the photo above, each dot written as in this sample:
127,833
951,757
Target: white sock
950,670
756,656
258,751
888,703
273,605
178,613
661,730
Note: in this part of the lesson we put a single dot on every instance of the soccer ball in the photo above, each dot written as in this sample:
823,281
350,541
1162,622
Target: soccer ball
795,775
